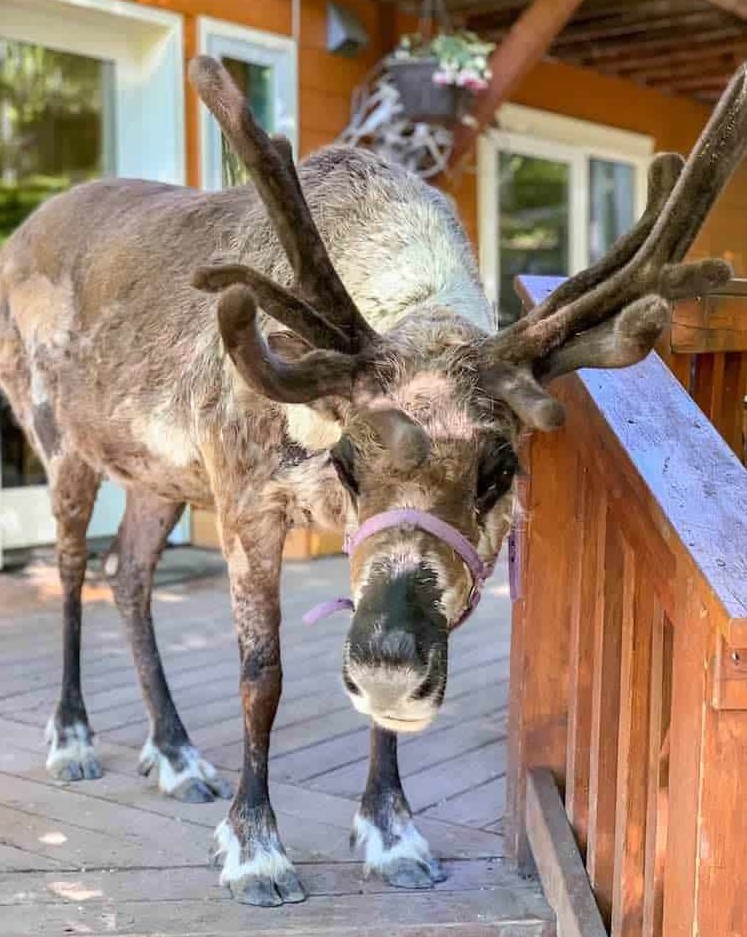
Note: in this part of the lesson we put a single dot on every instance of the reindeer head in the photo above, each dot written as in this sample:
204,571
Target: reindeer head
431,410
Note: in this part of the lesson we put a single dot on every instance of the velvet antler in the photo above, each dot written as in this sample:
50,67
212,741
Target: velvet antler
611,314
316,307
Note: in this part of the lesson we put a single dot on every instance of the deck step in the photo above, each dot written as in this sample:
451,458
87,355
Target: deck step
481,898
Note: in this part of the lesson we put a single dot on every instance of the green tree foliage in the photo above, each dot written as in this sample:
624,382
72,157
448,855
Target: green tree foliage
52,125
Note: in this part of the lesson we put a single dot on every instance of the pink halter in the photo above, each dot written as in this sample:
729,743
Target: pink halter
423,521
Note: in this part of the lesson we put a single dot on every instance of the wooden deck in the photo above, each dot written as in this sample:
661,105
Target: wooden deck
114,857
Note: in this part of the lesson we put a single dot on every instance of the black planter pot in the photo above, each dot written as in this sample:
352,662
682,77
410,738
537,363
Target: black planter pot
423,100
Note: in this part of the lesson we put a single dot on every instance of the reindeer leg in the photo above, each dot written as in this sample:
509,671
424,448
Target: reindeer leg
168,753
255,866
73,487
384,826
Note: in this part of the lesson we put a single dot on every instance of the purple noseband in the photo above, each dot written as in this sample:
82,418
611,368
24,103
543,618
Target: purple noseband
411,517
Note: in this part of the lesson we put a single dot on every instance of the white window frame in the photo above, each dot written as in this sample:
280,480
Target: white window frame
533,132
280,53
146,47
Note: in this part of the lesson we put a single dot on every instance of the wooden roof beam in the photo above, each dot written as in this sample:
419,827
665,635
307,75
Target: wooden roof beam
695,84
645,27
508,7
718,65
526,43
621,51
737,7
661,61
615,8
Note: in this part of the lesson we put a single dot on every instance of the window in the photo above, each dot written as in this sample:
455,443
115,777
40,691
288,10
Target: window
264,67
87,88
554,195
55,121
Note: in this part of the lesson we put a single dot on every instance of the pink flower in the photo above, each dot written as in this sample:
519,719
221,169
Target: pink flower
476,84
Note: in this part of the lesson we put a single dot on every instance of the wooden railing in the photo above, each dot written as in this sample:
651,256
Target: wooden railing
707,350
628,705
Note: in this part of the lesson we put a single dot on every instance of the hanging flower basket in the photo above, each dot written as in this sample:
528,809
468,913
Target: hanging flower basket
437,78
423,100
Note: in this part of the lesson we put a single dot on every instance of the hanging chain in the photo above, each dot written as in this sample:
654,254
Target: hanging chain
433,11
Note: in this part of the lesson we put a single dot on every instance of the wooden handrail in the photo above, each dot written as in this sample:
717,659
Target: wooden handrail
629,659
713,323
688,481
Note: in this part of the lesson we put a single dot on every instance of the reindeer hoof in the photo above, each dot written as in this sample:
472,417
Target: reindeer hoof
259,874
265,892
193,791
71,756
183,774
257,891
411,873
86,770
395,850
290,888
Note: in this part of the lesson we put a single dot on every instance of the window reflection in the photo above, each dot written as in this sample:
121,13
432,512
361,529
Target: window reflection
611,204
533,217
256,83
56,120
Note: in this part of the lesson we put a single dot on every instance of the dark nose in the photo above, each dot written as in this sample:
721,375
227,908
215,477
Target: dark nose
372,640
397,648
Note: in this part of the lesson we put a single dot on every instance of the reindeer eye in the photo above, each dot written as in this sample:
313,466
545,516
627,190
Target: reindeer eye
495,475
343,459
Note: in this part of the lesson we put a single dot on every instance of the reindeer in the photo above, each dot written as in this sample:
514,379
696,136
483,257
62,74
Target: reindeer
368,393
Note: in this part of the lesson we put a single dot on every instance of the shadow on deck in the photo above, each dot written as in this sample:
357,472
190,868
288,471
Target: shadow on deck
114,857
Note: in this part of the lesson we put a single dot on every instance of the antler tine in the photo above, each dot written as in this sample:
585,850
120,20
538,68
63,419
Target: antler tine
719,150
277,302
314,375
270,165
663,173
617,343
611,315
654,268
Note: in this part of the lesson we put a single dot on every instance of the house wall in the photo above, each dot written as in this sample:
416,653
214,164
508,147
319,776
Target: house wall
326,82
673,122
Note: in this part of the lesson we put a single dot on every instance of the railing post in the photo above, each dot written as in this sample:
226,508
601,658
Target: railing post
538,699
704,887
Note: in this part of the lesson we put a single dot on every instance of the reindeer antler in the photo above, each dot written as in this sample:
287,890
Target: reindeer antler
316,306
611,314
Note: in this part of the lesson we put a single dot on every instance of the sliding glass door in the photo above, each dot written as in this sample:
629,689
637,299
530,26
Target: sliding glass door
552,206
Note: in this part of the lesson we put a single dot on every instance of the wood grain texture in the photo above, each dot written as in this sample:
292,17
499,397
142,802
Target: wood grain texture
605,716
665,839
114,857
587,611
714,323
541,628
559,864
633,764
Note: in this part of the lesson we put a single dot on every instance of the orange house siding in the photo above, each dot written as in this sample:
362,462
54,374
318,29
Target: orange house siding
326,82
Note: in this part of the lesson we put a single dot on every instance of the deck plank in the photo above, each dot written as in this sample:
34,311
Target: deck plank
113,857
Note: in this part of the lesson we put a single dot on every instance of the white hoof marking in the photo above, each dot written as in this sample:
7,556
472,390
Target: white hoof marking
268,861
409,843
195,766
75,747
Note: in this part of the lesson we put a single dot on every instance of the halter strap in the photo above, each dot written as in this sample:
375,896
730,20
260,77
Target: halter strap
422,520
